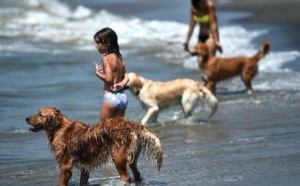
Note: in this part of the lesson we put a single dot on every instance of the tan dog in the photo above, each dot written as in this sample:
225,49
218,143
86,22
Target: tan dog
217,69
154,95
88,147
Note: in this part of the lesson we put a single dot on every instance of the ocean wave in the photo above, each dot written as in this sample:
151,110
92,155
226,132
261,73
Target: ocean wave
55,22
13,131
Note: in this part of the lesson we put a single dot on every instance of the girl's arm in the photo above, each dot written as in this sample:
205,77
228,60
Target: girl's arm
105,75
120,86
125,80
99,71
190,31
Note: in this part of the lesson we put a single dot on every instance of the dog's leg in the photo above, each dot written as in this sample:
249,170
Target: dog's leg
84,177
151,115
66,166
120,159
211,85
134,169
247,83
246,78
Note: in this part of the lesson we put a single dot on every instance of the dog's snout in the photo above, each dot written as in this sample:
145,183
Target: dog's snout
27,119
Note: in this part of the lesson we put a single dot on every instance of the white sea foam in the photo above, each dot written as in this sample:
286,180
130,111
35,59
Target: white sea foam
289,81
53,21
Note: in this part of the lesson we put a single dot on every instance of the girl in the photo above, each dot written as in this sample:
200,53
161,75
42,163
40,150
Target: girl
203,12
113,73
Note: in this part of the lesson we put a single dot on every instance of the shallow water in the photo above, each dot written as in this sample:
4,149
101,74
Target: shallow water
47,58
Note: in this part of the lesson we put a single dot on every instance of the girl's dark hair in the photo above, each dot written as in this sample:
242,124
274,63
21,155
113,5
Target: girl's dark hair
195,3
110,39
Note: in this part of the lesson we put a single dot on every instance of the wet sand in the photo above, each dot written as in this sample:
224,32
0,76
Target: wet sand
285,13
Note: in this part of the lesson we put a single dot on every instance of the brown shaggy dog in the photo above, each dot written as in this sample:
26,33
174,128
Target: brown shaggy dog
88,147
155,95
217,69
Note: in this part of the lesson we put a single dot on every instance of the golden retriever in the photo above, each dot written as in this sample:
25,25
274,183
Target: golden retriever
88,147
217,69
154,95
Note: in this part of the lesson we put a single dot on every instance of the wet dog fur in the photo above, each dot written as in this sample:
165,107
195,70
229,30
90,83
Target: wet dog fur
217,69
155,95
77,144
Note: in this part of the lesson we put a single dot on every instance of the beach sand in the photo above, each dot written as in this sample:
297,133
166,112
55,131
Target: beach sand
284,13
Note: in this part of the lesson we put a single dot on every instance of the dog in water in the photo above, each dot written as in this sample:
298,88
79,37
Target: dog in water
217,69
155,95
77,144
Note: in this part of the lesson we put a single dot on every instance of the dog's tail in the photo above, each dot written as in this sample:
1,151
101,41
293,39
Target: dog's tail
209,98
264,50
151,147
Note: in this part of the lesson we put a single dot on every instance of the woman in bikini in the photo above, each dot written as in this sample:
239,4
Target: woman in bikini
113,73
203,12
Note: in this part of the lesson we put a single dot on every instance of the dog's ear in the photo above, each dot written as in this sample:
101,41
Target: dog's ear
135,90
138,85
135,84
134,87
54,120
203,50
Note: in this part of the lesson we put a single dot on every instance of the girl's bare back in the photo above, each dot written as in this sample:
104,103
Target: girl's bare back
114,69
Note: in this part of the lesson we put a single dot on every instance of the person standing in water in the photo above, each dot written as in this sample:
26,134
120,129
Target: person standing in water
204,13
113,73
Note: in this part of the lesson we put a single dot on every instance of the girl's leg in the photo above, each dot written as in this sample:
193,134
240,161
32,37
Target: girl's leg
120,112
211,46
107,111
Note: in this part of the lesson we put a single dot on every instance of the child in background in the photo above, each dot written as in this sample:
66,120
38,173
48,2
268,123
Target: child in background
113,73
203,12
